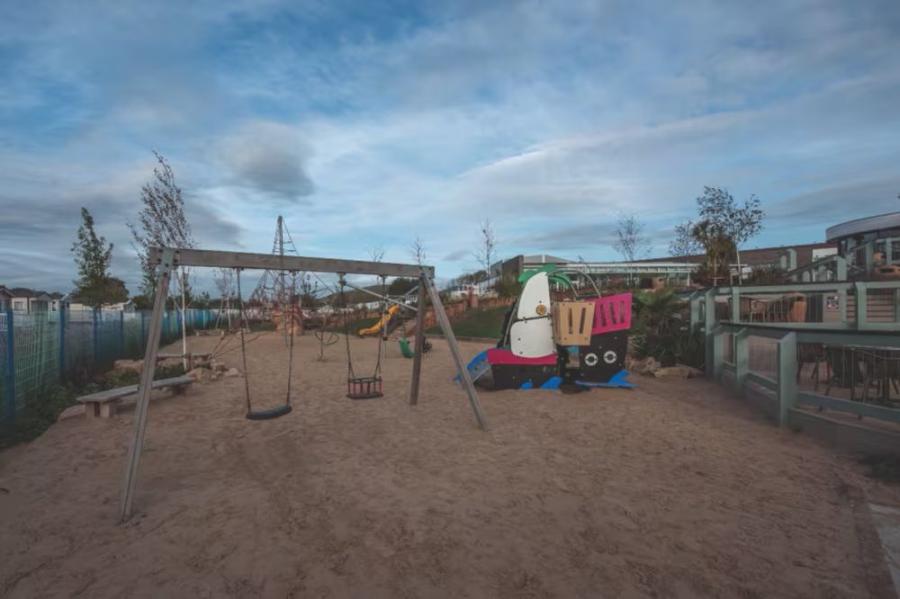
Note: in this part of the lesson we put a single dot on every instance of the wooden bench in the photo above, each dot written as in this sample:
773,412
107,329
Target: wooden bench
103,403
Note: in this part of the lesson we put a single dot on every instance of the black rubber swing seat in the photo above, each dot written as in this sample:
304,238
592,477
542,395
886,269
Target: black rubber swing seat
270,413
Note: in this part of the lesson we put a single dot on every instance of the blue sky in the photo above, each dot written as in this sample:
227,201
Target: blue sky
369,123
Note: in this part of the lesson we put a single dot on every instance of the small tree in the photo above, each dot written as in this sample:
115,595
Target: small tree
719,250
631,242
417,250
93,255
487,249
376,253
724,218
161,221
684,243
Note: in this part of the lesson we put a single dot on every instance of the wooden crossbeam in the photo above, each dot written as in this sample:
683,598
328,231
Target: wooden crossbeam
219,259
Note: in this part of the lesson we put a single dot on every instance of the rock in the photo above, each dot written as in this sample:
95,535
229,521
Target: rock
693,373
647,366
678,371
232,372
217,366
71,412
126,365
200,375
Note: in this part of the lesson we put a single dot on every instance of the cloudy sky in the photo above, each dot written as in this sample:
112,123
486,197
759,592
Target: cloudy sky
368,123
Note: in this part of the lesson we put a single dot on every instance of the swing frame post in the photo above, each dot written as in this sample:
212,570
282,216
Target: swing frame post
419,344
166,260
149,369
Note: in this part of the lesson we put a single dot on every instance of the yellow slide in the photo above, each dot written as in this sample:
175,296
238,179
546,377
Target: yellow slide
383,322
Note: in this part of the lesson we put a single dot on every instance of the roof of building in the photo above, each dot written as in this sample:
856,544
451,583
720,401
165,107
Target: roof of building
545,259
28,293
869,224
750,257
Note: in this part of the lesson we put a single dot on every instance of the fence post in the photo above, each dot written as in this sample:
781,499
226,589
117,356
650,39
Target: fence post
709,322
62,341
862,305
122,334
735,304
897,305
95,334
787,376
10,367
840,266
741,359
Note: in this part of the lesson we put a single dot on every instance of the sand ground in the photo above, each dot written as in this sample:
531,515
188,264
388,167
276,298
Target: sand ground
674,489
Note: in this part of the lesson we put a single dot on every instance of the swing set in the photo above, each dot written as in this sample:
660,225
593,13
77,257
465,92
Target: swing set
167,260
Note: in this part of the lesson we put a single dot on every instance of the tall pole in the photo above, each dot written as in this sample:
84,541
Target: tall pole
146,384
419,345
464,377
184,351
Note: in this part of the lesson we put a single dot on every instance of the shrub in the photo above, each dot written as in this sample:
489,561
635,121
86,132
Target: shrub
662,330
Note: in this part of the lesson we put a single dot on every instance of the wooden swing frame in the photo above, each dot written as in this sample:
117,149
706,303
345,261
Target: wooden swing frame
166,260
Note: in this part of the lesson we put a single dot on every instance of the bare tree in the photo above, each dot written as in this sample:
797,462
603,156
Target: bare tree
417,250
486,253
223,280
631,242
376,253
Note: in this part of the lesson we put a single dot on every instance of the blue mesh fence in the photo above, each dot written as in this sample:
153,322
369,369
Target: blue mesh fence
43,349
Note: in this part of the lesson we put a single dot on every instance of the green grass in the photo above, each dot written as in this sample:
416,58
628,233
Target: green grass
478,323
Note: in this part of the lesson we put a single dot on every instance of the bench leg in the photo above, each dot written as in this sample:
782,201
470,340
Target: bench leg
90,410
179,389
108,409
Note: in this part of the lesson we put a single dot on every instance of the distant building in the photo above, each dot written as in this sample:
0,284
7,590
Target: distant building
868,243
23,300
675,271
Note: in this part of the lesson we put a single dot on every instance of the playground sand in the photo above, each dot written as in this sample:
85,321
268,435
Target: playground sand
673,489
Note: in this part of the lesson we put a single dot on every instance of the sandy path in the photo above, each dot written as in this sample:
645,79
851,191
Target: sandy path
673,489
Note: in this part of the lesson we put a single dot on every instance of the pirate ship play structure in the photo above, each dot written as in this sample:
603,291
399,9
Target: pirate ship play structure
579,343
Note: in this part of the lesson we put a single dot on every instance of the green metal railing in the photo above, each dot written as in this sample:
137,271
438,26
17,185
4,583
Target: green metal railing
857,315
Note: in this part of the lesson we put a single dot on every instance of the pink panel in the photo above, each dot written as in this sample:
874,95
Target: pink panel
612,313
498,355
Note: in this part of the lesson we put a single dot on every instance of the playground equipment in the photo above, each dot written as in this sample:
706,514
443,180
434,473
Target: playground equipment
547,343
166,260
363,387
388,321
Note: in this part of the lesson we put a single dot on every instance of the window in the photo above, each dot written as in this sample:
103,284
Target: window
895,251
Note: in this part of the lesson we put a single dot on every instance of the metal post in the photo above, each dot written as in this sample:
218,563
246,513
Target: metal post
442,319
122,333
418,345
840,267
787,376
95,333
10,367
145,388
862,305
709,323
143,334
896,306
62,341
735,305
716,344
741,359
